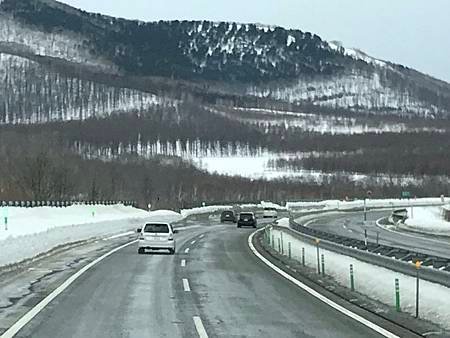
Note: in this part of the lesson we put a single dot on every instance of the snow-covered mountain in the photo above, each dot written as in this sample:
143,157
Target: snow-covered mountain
220,58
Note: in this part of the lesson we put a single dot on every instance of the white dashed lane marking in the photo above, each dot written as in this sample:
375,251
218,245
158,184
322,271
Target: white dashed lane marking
199,327
186,285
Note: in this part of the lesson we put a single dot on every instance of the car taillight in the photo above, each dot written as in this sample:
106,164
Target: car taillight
170,237
141,237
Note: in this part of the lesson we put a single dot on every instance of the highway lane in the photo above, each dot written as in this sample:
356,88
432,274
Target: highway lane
219,282
350,224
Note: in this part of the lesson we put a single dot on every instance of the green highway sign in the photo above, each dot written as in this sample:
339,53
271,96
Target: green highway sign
406,194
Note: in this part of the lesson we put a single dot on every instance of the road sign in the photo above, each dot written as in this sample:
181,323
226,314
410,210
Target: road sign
406,194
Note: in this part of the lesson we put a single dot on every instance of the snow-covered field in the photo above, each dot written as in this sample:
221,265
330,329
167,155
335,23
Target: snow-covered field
427,220
32,231
376,282
324,124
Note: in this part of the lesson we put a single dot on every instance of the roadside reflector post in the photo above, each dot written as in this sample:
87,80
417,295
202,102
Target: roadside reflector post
418,264
273,241
318,255
5,217
378,237
323,264
303,256
279,245
290,250
365,237
397,295
282,245
352,278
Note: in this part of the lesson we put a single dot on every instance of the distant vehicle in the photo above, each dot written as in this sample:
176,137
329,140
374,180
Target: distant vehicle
270,213
247,219
228,216
156,236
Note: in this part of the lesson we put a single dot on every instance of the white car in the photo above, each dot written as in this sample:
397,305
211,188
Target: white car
157,236
270,213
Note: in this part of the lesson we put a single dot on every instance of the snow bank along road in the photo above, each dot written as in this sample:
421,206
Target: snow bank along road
213,287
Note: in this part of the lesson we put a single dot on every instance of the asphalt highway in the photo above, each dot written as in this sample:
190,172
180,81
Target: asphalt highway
214,286
351,224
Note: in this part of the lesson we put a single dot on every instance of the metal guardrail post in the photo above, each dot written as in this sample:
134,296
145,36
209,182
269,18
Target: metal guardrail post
303,256
282,243
279,245
290,250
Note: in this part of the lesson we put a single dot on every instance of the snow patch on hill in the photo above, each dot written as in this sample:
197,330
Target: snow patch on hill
61,44
351,90
355,53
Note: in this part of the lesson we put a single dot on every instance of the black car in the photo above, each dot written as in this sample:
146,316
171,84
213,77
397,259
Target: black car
247,219
227,216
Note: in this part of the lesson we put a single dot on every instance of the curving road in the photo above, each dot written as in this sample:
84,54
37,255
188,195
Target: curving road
350,224
217,288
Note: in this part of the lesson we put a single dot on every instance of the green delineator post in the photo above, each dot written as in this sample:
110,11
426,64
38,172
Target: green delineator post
323,264
318,256
303,256
352,279
289,250
418,264
397,295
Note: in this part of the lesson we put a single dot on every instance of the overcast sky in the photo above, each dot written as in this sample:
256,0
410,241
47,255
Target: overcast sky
415,33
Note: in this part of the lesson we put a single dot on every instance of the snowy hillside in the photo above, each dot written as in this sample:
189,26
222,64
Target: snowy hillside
224,57
29,93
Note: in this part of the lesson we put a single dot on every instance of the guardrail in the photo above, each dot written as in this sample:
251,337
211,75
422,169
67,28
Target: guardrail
61,204
436,269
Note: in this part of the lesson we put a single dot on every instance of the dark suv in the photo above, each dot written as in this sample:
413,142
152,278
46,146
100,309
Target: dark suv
247,219
227,216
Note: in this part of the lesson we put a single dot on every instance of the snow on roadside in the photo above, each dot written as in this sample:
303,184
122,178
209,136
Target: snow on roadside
373,203
376,282
33,231
204,210
426,219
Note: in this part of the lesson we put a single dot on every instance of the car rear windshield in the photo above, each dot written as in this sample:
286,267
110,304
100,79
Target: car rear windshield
246,215
270,209
160,228
227,213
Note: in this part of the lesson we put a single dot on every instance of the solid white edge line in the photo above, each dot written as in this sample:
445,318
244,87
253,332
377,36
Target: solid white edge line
186,250
25,319
183,262
319,296
186,285
120,235
199,327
